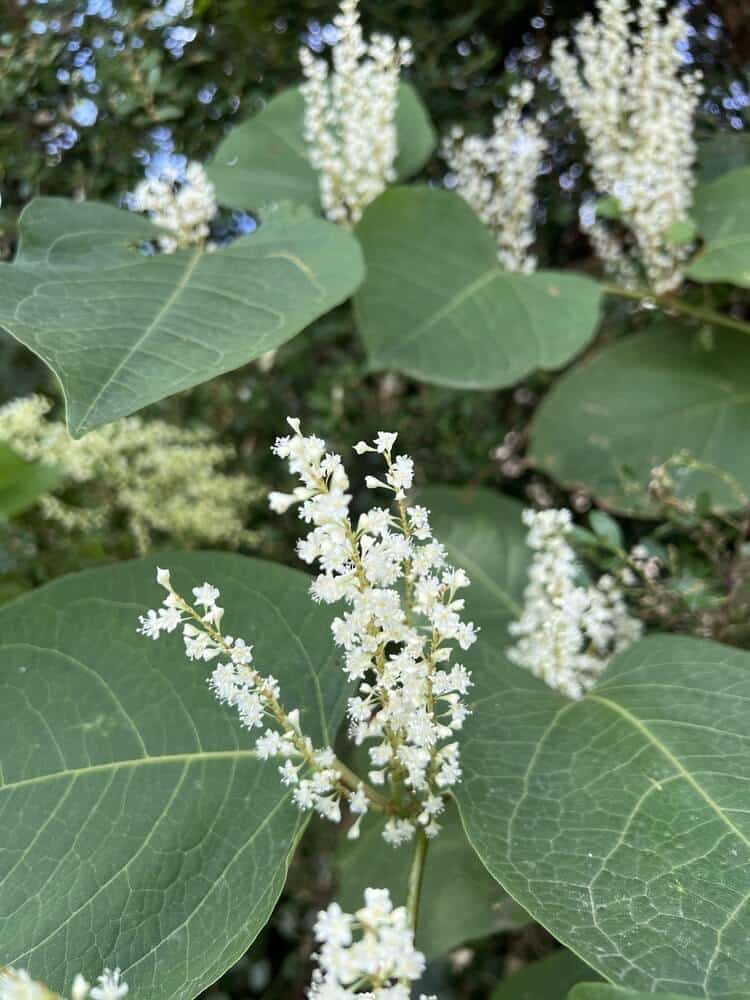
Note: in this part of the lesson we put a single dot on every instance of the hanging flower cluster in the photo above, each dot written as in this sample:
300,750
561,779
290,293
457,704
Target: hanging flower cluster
17,984
568,630
182,204
636,108
397,648
372,948
162,479
497,175
350,115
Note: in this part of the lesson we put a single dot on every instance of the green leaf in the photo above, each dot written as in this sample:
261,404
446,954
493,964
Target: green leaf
640,401
721,152
607,208
468,905
435,304
22,483
121,330
265,159
620,821
138,827
548,979
606,528
681,232
603,991
722,214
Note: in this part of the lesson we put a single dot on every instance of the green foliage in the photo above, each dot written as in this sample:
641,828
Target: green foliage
548,979
121,330
436,305
600,991
265,159
722,214
637,403
136,821
467,905
22,483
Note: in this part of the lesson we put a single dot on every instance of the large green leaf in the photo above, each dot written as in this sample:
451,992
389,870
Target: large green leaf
467,905
637,403
138,828
548,979
620,821
121,329
722,213
720,152
603,991
22,483
265,159
436,305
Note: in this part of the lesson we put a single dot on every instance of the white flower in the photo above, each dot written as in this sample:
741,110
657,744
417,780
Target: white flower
636,108
350,115
110,987
497,176
17,984
568,630
185,209
381,958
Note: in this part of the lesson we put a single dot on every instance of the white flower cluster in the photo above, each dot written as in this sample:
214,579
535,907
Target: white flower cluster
183,205
382,961
17,984
569,630
397,648
313,773
636,109
160,478
350,115
497,175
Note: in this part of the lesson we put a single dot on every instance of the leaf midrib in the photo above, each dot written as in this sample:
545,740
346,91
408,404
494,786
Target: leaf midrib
116,765
654,740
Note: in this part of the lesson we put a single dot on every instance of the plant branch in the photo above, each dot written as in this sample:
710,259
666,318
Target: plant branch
677,305
416,877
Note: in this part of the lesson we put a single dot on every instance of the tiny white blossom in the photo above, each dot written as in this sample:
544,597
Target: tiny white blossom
185,209
110,986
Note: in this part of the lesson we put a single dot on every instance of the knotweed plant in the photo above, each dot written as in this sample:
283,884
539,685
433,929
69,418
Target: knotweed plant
183,203
569,628
496,175
163,480
350,115
635,103
398,632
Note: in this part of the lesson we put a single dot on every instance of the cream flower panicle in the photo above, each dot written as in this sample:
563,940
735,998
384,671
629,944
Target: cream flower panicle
185,206
398,633
636,105
162,479
497,176
372,948
350,115
568,630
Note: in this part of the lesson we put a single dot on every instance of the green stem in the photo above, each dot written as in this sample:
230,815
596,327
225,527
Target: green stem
677,305
416,877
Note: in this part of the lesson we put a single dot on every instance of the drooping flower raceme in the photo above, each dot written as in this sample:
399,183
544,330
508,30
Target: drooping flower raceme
17,984
350,115
497,175
184,205
636,108
569,629
398,649
373,948
163,480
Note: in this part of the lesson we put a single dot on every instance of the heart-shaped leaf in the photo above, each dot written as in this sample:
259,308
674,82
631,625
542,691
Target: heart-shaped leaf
436,305
265,159
722,214
468,905
121,329
620,821
643,400
139,828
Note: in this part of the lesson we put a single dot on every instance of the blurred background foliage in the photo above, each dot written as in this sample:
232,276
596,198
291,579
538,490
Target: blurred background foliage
94,92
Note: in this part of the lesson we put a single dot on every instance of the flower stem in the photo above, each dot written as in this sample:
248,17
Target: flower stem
416,877
671,302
